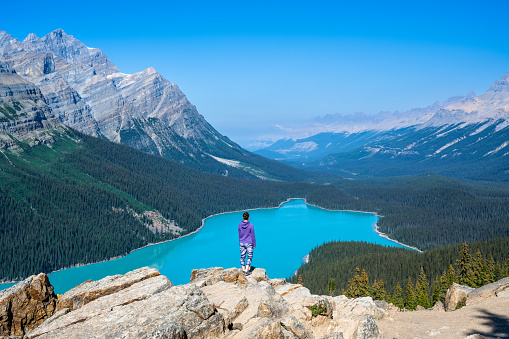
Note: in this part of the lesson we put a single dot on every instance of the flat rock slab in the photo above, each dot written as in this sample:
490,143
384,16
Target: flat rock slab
497,289
91,290
180,311
139,291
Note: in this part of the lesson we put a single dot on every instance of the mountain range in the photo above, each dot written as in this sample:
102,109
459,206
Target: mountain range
85,91
466,136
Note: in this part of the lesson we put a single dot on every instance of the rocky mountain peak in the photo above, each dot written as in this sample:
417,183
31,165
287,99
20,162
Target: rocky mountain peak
6,69
31,38
66,46
501,85
8,43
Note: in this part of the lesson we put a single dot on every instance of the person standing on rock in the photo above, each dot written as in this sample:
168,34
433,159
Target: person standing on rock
247,243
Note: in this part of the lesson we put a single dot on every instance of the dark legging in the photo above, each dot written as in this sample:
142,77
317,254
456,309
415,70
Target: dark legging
246,248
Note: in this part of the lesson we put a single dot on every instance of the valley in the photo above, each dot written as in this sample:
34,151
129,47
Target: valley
97,163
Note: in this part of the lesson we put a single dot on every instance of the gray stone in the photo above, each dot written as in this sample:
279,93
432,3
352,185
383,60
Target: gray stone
170,331
91,290
455,294
497,289
259,274
272,307
261,328
335,335
439,306
368,329
176,309
293,325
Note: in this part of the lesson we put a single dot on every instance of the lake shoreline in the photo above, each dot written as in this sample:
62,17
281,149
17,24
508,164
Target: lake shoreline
380,233
383,235
157,243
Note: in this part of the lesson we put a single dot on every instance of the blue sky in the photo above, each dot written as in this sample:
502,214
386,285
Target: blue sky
247,65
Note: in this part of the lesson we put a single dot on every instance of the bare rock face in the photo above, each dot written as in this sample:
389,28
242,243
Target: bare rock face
497,289
26,305
456,294
439,306
178,311
367,329
24,114
87,92
210,276
217,303
91,290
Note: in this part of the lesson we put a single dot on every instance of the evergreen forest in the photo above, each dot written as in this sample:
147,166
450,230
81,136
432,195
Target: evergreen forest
404,277
78,201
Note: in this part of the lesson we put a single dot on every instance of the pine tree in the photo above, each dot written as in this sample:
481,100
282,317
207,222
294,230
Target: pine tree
444,285
397,298
374,290
378,290
465,271
410,302
332,287
364,284
353,289
479,270
421,290
436,292
451,277
489,271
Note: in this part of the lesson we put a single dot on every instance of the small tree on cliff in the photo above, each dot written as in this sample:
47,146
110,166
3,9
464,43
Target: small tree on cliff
421,290
378,290
410,302
332,287
465,271
358,286
397,296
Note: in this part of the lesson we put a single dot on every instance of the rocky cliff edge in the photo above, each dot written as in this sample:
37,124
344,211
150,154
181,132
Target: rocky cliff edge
217,303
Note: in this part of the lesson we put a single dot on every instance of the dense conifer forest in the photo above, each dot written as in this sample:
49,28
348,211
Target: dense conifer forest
405,277
75,201
68,203
425,211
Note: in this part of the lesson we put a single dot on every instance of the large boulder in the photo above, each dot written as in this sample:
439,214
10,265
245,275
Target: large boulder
456,294
26,305
91,290
367,329
178,311
497,289
210,276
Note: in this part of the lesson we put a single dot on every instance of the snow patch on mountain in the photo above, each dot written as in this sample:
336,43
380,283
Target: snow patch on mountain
304,147
232,163
497,149
448,145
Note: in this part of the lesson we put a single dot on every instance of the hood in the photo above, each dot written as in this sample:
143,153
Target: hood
244,224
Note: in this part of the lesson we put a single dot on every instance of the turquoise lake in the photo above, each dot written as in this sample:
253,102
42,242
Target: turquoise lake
284,236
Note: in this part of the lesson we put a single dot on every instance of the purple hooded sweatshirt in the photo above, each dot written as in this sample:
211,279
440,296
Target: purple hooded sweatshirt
246,233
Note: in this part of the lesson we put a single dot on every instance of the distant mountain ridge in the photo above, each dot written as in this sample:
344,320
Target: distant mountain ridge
471,131
87,92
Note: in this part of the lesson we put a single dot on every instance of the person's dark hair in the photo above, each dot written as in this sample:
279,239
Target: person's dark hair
245,216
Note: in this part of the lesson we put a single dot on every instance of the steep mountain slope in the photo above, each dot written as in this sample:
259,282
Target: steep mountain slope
142,110
23,112
67,198
464,137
